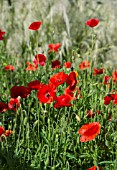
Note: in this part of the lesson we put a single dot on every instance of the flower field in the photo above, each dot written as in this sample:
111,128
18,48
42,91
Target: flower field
56,113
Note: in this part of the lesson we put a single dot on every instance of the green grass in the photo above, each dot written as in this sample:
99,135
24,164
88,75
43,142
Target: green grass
47,138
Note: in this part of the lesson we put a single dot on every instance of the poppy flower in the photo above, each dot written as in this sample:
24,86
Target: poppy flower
76,73
114,76
2,130
4,133
1,35
71,80
39,59
14,103
108,98
90,113
35,26
89,131
115,99
106,79
67,64
3,107
21,91
98,71
8,133
63,101
69,92
54,47
58,78
56,64
34,85
46,93
31,67
9,67
94,168
84,64
92,22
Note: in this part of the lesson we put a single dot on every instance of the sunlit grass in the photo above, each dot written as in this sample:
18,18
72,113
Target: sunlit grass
61,24
47,138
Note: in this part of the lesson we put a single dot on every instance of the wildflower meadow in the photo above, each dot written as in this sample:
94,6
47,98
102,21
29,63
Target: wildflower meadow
58,105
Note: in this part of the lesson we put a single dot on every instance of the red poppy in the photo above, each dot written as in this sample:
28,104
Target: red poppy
9,67
1,35
1,130
115,99
31,67
58,79
106,79
84,64
89,131
39,59
3,107
71,80
114,76
14,103
76,73
34,85
21,91
63,101
56,64
35,25
54,47
4,133
67,64
94,168
69,92
46,93
90,113
8,133
98,71
92,22
108,98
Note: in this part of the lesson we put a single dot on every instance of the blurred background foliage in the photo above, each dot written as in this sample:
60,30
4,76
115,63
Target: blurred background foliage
62,21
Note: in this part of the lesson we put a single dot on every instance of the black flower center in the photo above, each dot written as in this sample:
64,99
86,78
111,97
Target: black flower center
47,95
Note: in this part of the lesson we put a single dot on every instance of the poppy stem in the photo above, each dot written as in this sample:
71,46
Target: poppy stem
91,50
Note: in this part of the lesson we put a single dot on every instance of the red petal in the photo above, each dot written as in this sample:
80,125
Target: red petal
89,131
92,22
1,130
35,25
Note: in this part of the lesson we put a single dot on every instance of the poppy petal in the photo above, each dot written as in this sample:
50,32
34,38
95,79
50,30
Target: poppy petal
89,131
35,25
92,22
